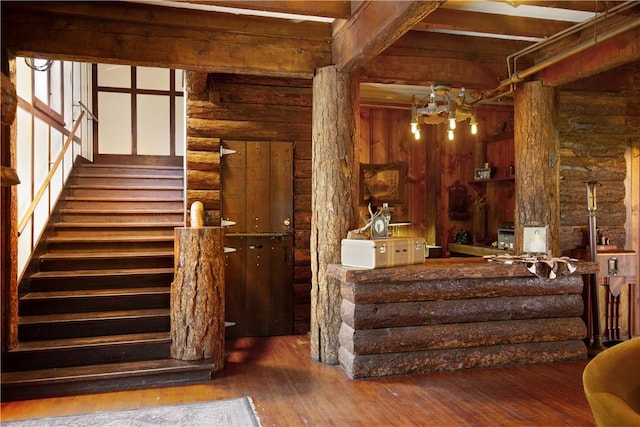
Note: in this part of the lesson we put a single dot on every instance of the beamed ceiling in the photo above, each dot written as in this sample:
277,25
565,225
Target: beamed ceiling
397,47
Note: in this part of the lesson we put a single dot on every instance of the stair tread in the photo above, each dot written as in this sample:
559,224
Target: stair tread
98,273
125,166
124,199
108,239
97,292
118,224
94,315
121,211
101,340
123,187
106,255
124,176
104,371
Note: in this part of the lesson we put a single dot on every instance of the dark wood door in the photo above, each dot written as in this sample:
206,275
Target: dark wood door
257,195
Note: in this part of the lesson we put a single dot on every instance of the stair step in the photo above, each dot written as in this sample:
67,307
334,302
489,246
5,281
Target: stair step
115,217
109,203
125,179
140,200
97,279
124,192
76,325
108,243
99,261
121,228
83,301
51,353
119,169
100,378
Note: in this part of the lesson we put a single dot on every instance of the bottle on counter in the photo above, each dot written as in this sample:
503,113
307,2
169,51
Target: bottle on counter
386,213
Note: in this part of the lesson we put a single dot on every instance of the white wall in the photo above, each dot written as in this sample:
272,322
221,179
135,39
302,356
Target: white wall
40,137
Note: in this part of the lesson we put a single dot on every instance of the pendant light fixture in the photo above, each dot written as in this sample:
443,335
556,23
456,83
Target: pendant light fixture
443,104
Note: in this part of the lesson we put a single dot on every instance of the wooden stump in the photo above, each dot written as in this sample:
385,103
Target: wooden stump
197,295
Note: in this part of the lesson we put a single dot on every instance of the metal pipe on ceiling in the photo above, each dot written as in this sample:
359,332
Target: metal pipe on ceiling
519,76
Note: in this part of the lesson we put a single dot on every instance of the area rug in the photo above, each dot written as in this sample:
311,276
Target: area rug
232,412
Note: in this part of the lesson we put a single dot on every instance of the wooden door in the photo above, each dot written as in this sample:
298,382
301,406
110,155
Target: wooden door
257,187
257,195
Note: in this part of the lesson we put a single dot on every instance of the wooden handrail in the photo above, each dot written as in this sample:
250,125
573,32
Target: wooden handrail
47,180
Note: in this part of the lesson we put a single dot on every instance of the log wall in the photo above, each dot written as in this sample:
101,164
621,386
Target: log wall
597,131
243,108
456,315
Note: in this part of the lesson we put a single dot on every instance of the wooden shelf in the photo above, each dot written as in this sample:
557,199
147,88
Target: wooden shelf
489,181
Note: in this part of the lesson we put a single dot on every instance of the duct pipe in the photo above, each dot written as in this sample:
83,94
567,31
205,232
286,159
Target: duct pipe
519,76
522,75
569,31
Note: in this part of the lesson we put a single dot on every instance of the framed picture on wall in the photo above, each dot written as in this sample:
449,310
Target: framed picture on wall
482,174
380,183
535,239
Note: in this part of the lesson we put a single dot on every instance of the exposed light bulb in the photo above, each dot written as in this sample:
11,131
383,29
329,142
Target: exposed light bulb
450,134
474,125
414,127
452,123
417,135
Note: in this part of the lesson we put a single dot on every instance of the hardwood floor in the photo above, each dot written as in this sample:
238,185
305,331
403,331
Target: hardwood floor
289,389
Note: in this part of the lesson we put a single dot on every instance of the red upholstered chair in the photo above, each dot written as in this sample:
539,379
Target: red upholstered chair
611,383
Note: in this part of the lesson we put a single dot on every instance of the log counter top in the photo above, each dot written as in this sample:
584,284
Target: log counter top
457,313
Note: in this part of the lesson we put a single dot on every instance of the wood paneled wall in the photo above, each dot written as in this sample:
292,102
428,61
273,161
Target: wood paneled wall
434,164
242,108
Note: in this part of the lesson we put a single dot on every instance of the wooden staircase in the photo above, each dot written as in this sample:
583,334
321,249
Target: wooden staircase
95,314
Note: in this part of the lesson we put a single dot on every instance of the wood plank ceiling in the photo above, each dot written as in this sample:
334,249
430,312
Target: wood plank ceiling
396,46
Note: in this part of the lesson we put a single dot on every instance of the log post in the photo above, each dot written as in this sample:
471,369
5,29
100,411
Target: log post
537,155
197,295
8,211
335,128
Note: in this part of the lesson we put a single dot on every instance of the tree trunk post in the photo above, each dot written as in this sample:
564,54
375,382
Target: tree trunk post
197,295
335,128
537,156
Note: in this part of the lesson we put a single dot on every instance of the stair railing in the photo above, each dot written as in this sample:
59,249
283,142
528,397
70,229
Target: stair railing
29,213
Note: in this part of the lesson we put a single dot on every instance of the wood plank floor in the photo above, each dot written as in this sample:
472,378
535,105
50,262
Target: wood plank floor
289,389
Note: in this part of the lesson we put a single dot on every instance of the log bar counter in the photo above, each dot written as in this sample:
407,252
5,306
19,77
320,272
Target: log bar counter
457,313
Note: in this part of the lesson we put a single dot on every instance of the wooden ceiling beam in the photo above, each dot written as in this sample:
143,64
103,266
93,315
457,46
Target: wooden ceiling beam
338,9
580,5
423,58
148,15
231,48
461,20
603,56
374,27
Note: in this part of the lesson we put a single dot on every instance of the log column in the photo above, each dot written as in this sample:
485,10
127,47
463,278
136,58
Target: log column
335,128
9,214
197,295
537,155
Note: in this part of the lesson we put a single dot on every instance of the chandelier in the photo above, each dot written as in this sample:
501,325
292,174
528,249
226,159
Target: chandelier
443,104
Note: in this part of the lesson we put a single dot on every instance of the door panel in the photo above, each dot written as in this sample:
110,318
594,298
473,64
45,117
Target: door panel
234,186
257,194
281,194
259,285
258,187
